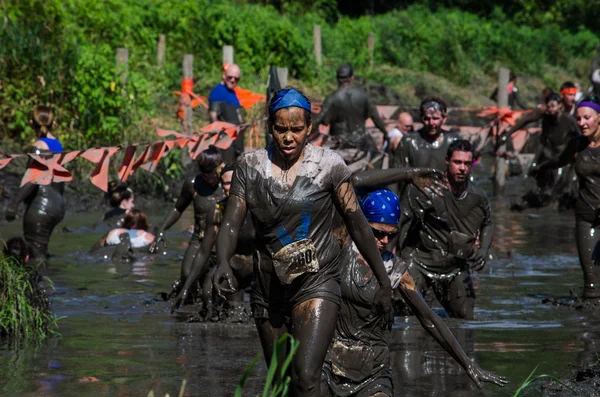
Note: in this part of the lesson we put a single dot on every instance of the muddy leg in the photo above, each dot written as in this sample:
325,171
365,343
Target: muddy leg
188,257
269,331
313,323
588,248
459,299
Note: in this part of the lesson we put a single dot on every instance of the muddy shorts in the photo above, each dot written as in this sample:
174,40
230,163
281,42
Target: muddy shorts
270,297
333,385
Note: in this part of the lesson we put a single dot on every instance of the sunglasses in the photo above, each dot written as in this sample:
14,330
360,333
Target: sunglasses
233,78
380,234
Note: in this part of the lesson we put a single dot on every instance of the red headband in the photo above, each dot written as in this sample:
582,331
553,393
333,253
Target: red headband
566,91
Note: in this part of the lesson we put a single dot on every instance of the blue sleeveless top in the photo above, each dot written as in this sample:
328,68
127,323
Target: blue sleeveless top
54,144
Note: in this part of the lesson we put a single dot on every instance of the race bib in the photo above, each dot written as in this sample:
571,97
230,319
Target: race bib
295,259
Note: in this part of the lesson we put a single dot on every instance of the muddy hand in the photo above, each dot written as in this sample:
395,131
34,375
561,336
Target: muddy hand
431,179
223,280
11,214
479,376
179,300
155,245
383,302
477,260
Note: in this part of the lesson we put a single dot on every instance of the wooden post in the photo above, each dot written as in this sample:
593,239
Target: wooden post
371,45
282,75
160,50
188,73
503,76
122,66
227,54
500,166
317,43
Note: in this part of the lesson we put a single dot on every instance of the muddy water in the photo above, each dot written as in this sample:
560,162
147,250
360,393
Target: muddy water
119,340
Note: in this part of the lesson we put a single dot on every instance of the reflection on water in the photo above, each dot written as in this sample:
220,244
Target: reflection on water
119,340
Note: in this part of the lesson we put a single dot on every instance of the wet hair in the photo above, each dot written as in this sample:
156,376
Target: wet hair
18,248
344,72
307,114
567,84
512,76
228,168
43,117
136,219
460,145
117,192
546,91
209,160
553,96
433,100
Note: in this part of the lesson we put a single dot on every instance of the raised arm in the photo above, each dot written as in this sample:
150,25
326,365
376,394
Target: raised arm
434,325
422,177
567,156
527,118
361,233
227,241
202,255
183,201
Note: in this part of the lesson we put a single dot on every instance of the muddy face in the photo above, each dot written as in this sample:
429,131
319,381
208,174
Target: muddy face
459,166
383,233
433,120
290,132
226,181
553,108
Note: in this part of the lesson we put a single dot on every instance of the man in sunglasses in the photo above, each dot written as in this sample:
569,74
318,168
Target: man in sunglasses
224,105
450,234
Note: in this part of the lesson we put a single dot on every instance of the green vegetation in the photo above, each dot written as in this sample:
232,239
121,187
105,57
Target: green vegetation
531,379
25,313
63,53
278,381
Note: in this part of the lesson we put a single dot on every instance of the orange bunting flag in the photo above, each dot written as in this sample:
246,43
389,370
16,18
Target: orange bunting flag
129,165
248,98
6,159
48,168
159,150
100,157
503,114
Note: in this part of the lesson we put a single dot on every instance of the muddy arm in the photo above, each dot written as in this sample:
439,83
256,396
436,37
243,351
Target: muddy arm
183,201
434,325
374,115
535,115
567,156
22,194
227,239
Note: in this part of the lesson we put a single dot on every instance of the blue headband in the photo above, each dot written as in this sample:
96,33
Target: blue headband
381,206
289,97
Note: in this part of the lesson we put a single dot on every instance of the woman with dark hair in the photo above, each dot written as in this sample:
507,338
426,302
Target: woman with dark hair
45,203
583,152
291,189
358,360
136,226
205,192
120,198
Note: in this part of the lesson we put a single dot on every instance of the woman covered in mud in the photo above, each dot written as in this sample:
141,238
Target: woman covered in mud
45,203
357,362
204,191
583,152
133,232
241,262
120,198
291,189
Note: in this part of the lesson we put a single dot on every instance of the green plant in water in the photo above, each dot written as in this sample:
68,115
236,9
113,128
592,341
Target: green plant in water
274,387
530,379
24,308
181,390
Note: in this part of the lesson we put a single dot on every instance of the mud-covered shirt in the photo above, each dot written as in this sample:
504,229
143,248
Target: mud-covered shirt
415,151
346,110
556,133
281,213
434,218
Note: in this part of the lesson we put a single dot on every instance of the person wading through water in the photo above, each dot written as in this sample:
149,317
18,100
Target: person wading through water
291,189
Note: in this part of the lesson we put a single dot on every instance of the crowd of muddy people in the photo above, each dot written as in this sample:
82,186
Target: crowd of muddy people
325,242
